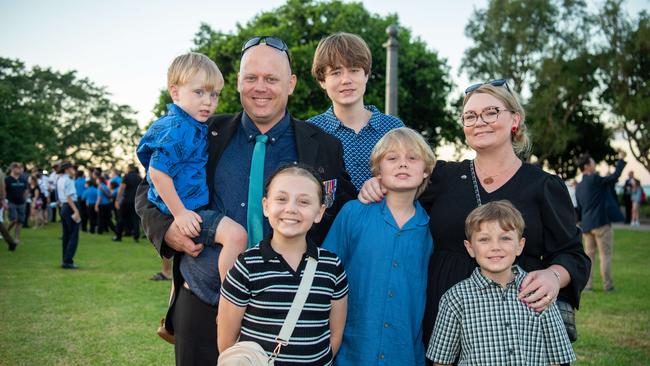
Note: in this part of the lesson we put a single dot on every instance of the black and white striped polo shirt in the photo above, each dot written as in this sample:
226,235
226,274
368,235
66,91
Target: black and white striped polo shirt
263,282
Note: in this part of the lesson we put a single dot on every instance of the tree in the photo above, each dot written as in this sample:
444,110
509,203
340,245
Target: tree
625,74
47,115
543,46
423,77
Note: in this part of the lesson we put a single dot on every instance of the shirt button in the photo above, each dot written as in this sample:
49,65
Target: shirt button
399,233
507,324
386,325
381,356
391,294
512,351
214,133
395,264
272,139
243,204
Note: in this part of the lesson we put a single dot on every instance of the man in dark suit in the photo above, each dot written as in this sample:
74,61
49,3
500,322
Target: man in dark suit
598,208
265,82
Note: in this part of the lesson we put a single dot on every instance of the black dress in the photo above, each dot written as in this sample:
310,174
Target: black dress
551,234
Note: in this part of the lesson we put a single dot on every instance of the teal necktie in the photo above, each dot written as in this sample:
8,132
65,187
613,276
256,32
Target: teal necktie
254,219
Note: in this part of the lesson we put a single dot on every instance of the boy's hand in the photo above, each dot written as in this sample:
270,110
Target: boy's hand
188,222
371,191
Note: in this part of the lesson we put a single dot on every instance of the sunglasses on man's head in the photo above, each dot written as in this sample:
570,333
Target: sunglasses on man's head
274,42
498,82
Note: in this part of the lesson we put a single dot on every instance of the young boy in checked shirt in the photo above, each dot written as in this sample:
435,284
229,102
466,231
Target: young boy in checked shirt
481,319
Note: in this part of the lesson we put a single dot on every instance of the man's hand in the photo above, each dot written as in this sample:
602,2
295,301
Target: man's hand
181,243
117,204
372,191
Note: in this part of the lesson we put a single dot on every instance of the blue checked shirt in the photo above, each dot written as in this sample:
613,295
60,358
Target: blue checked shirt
177,145
489,325
357,146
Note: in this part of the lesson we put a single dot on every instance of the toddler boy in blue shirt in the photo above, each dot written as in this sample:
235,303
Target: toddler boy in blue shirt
174,150
342,66
481,319
385,248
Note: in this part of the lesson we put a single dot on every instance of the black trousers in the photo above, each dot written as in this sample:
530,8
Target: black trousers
83,211
70,237
129,219
92,218
104,220
195,330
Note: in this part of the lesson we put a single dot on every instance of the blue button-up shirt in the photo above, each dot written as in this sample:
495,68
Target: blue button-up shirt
357,146
387,276
177,145
230,191
80,186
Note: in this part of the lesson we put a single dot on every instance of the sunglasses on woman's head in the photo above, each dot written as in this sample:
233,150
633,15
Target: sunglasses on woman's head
498,82
271,41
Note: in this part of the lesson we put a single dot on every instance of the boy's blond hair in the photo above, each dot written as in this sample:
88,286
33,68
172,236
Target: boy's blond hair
184,67
341,49
406,139
503,212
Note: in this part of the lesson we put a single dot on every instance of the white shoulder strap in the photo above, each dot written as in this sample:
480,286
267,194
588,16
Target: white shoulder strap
298,301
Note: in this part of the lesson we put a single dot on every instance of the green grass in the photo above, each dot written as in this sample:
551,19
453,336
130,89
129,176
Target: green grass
106,313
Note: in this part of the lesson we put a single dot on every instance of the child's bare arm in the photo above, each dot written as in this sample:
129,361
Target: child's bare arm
188,222
228,323
337,323
233,238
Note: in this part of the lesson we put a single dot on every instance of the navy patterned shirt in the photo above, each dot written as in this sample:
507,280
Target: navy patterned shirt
357,146
177,145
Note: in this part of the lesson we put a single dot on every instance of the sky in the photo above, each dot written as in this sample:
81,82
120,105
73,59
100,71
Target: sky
126,46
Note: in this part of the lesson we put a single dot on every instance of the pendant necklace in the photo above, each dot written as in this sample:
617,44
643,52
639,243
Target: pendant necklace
490,178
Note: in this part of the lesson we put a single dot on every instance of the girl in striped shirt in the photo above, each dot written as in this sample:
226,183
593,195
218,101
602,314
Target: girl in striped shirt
259,290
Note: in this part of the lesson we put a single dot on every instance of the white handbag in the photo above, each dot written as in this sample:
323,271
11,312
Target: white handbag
247,353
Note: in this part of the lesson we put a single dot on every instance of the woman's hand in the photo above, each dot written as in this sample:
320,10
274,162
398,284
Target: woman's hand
372,191
539,289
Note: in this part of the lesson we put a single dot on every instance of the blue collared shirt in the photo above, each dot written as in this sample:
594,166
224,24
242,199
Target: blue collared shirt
80,185
65,188
231,176
387,276
177,145
357,146
90,195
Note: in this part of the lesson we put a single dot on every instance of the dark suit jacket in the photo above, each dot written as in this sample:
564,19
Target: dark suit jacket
596,202
315,148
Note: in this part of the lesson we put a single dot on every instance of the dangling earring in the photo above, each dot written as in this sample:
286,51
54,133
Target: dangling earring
514,130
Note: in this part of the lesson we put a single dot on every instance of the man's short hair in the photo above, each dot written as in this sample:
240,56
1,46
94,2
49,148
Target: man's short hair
583,161
407,139
503,212
184,67
341,49
14,165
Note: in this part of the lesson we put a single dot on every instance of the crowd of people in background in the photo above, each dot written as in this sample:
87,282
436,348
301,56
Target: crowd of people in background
103,199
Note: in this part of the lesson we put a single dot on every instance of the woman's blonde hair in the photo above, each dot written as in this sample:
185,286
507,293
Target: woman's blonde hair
184,67
406,139
520,139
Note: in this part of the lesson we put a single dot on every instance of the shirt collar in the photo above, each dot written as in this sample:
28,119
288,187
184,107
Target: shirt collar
420,218
267,252
483,282
375,120
335,123
174,110
274,133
